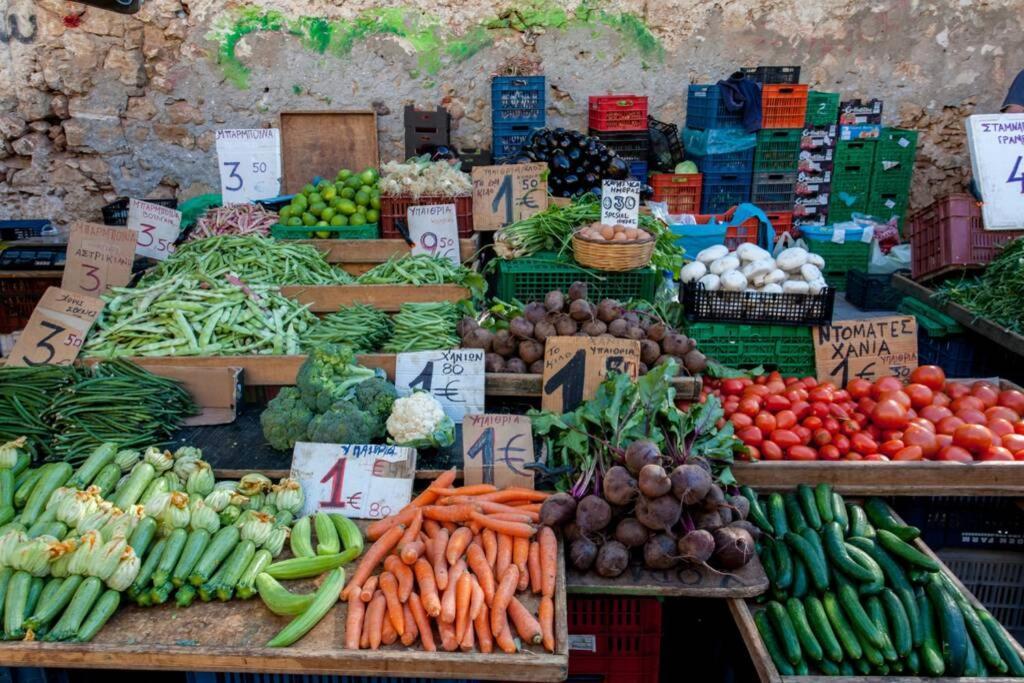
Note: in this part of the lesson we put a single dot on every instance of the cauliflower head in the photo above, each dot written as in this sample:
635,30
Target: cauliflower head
419,421
376,397
285,419
330,374
343,423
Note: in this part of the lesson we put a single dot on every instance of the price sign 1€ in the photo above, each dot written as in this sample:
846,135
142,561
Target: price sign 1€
868,348
98,257
362,481
57,329
156,228
996,143
496,449
620,202
249,161
434,230
575,366
505,194
454,377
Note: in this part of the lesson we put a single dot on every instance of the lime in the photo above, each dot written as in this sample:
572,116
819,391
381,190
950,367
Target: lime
348,193
347,207
327,214
308,188
329,193
294,220
323,234
372,215
284,213
339,220
344,174
354,182
362,199
369,176
315,197
318,208
308,219
300,200
357,219
334,202
375,202
368,189
321,224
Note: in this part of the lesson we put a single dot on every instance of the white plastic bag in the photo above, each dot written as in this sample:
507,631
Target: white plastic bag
785,241
898,258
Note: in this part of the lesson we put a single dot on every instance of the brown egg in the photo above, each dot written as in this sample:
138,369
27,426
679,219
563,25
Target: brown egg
631,233
620,237
607,232
619,227
642,234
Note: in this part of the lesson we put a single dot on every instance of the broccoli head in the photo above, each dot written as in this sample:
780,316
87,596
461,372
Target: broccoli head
330,374
375,397
342,423
285,419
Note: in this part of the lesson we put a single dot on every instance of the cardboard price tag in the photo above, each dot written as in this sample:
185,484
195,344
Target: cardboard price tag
57,329
496,450
996,142
575,366
249,161
364,481
156,226
505,194
868,348
434,230
620,202
98,257
454,377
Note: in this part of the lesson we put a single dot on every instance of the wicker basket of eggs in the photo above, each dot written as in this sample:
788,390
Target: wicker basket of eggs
612,247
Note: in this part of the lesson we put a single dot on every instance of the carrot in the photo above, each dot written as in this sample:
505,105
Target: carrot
511,528
411,630
457,544
374,556
448,641
467,642
448,602
546,613
477,602
412,551
515,493
378,528
389,587
412,532
388,634
354,621
489,542
437,559
428,588
504,557
369,588
422,623
491,507
481,569
402,573
503,636
429,495
474,526
450,527
463,596
520,556
482,626
472,490
525,507
506,589
548,561
511,517
449,513
526,625
375,620
431,527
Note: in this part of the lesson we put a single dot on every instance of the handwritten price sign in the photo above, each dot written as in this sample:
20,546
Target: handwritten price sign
869,348
361,481
249,161
575,366
505,194
156,226
496,449
996,142
620,202
454,377
434,230
98,257
57,329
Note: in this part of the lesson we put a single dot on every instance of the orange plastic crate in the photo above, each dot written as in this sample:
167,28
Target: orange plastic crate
735,235
784,105
681,191
783,222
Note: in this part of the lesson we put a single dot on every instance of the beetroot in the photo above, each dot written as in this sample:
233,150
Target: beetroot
660,552
582,553
478,338
557,510
657,331
641,453
608,310
593,514
531,351
650,352
493,362
696,547
754,532
536,367
653,481
699,462
612,559
521,328
554,301
733,548
544,329
740,506
515,365
578,290
571,531
715,498
690,483
618,486
466,325
631,533
709,520
580,310
658,514
535,312
504,343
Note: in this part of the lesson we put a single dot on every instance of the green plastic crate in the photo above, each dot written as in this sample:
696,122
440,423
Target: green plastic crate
822,108
896,144
935,322
893,181
340,232
778,150
531,278
788,349
840,258
855,153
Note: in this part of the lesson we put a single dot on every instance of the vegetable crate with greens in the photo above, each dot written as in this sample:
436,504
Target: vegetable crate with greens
852,594
642,480
996,293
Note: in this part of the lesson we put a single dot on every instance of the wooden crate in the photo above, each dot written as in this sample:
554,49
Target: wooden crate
388,298
691,582
358,256
321,143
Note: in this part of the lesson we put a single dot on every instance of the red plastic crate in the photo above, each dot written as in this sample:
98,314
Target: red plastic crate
397,208
681,191
616,637
18,298
948,235
783,105
618,112
783,222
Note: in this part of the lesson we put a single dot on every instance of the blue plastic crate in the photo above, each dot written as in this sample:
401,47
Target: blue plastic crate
517,99
730,162
508,138
706,109
722,191
25,229
638,170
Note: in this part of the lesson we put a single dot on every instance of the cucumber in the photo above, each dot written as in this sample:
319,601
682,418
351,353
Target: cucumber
785,630
872,654
100,613
846,668
897,578
77,610
877,583
327,541
101,456
952,628
914,662
899,623
55,475
814,539
777,514
798,588
24,485
48,608
767,556
301,544
142,537
828,667
771,644
805,494
307,567
822,630
794,515
863,666
190,554
932,663
986,647
14,605
107,479
862,623
877,613
816,568
279,599
859,525
236,563
883,518
757,514
220,546
844,632
1003,643
783,566
149,564
823,501
839,512
906,552
835,548
973,667
168,559
804,633
323,600
917,576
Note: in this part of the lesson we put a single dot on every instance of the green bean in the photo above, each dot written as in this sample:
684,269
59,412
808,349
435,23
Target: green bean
996,293
362,327
423,269
424,327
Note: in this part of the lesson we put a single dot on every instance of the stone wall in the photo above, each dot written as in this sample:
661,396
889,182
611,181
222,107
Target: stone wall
94,104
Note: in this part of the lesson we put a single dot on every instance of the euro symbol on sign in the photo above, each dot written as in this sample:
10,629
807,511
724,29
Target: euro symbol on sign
511,460
528,201
449,392
353,500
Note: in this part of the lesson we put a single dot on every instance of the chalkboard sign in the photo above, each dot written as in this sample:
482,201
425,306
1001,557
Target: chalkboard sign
996,142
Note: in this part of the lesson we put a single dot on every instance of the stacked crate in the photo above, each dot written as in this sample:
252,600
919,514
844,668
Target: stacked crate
726,177
426,130
891,174
517,109
851,179
784,109
620,123
816,160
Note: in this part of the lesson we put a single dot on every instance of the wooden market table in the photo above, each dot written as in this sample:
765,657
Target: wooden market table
681,582
358,256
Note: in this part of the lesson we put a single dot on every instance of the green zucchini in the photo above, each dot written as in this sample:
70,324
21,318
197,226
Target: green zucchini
5,579
129,492
823,501
899,623
805,494
159,593
822,629
301,542
101,456
146,569
246,587
107,479
99,615
7,514
50,588
843,630
55,476
839,512
883,518
169,558
777,514
324,599
835,548
15,604
808,555
350,535
794,515
327,541
21,463
805,634
951,627
56,529
35,591
1003,643
197,541
77,610
23,488
932,663
142,536
49,607
220,546
157,486
185,595
7,488
233,568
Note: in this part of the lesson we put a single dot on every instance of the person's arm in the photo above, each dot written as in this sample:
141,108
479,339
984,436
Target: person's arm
1014,102
1013,109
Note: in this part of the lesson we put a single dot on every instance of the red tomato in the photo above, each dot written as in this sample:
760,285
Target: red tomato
824,393
760,379
919,394
850,427
758,390
909,453
791,380
785,438
841,442
956,389
801,453
797,394
943,440
892,434
1013,442
1018,427
751,436
828,452
841,395
813,422
971,416
884,384
863,444
767,423
810,382
941,400
1002,412
1018,456
801,408
916,435
988,394
959,404
997,453
741,420
934,413
948,425
775,386
771,451
955,454
891,447
853,456
859,388
974,438
831,424
900,397
877,457
753,454
866,405
888,414
820,408
932,376
821,437
750,406
873,431
1000,427
732,387
774,403
1012,399
925,424
785,419
804,433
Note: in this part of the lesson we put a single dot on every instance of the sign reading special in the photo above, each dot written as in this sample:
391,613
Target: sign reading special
868,349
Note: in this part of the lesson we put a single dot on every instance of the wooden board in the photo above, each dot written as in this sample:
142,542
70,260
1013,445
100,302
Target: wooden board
690,582
997,333
743,614
389,298
505,384
358,256
321,143
228,636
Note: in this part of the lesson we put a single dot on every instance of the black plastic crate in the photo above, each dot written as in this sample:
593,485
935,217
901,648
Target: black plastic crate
772,75
954,353
872,292
426,130
23,229
472,157
965,522
666,147
116,212
700,304
631,146
996,578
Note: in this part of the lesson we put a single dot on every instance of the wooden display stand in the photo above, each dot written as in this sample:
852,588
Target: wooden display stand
358,256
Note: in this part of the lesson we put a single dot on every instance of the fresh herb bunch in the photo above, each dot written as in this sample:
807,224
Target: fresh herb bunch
998,294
